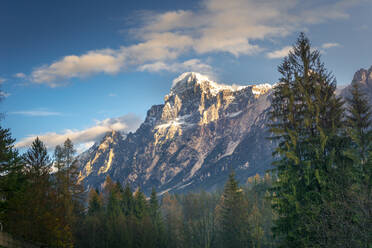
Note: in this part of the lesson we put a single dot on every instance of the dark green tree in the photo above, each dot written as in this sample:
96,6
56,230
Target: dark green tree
173,221
306,122
95,202
355,198
359,122
154,208
156,220
127,203
12,177
140,204
68,189
91,230
39,221
233,216
37,159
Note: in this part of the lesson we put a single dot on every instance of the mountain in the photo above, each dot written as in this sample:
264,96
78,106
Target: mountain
363,77
191,142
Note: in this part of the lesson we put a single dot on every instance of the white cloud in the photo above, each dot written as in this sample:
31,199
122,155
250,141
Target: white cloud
85,137
281,53
4,94
112,95
330,45
2,80
106,61
232,27
278,54
83,147
35,113
20,75
188,65
362,27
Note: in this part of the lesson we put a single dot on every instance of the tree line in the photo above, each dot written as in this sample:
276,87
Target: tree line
319,193
236,217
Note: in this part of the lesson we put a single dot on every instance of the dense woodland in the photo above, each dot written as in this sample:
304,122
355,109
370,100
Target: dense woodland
319,193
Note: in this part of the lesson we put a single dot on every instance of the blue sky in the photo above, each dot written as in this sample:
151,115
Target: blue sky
80,68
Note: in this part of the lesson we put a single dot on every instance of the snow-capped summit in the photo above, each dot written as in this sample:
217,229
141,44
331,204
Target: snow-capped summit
189,77
201,131
188,80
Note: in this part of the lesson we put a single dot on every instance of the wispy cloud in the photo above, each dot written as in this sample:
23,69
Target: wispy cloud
35,113
188,65
281,53
362,27
4,94
218,26
2,80
20,75
277,54
84,138
112,95
330,45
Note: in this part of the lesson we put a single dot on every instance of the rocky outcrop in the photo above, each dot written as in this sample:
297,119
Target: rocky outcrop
191,142
363,77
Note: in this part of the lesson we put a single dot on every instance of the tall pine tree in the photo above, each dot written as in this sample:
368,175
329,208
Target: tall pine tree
306,122
357,196
12,177
233,216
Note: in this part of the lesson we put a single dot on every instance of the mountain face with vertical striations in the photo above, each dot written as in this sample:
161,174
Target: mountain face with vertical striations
191,142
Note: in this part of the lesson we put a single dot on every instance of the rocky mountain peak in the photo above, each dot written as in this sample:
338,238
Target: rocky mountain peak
363,76
101,153
196,100
189,80
201,131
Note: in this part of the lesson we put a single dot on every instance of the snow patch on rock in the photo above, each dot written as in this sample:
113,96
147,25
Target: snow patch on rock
261,89
230,148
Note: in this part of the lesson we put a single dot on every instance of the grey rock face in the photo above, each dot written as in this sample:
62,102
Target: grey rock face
362,77
191,142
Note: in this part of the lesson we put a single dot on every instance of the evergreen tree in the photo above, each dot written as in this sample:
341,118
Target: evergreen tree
307,123
356,199
12,178
233,216
140,204
95,202
37,159
38,222
173,220
91,230
127,203
359,121
156,220
154,208
68,204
